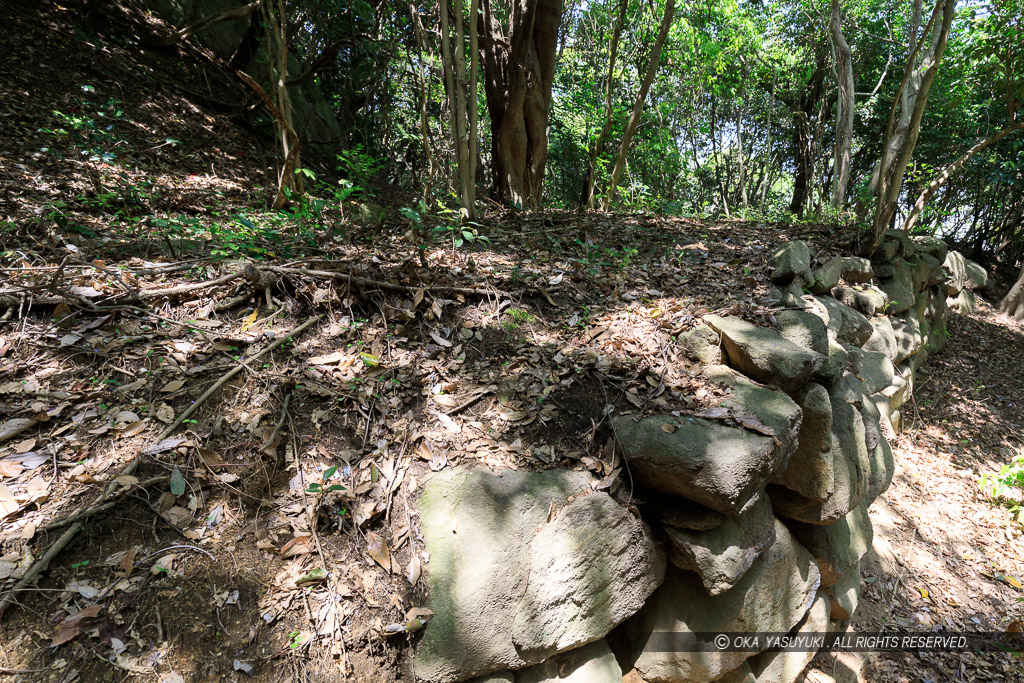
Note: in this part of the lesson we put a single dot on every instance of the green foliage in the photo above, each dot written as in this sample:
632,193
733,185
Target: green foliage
87,129
1008,483
358,168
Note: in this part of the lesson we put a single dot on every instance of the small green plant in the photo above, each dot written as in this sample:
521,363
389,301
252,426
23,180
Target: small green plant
358,167
294,640
1002,488
519,315
462,234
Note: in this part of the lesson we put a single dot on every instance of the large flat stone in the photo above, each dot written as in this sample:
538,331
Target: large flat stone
845,593
882,465
803,328
847,325
883,338
850,466
509,588
907,332
712,464
866,299
876,371
790,260
932,246
809,470
762,353
593,663
772,408
723,555
836,547
956,269
857,270
826,277
774,595
786,666
977,276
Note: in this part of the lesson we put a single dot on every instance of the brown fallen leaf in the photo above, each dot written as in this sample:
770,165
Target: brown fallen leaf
171,387
412,572
377,549
300,545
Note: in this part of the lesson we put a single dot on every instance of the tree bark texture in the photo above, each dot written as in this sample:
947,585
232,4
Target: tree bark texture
519,57
901,134
844,108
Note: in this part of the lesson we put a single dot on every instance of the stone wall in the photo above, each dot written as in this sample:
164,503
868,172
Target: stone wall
754,514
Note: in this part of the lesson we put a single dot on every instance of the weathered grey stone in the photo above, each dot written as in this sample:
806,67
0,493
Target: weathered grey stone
883,338
907,246
907,331
723,555
876,371
825,278
836,547
845,594
881,463
898,287
367,214
804,329
702,344
956,269
772,408
590,568
857,270
886,251
867,299
925,271
773,596
509,588
849,388
850,467
845,324
809,471
789,260
835,364
682,513
964,302
593,663
881,402
902,387
709,463
503,677
932,246
741,674
786,666
976,276
762,353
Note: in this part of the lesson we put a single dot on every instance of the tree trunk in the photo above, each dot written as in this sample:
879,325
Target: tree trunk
590,179
1013,303
421,74
638,104
844,109
457,88
519,68
940,179
804,108
901,136
739,146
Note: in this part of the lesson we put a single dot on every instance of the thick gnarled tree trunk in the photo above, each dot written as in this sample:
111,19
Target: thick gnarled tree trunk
902,131
843,58
519,67
1013,303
